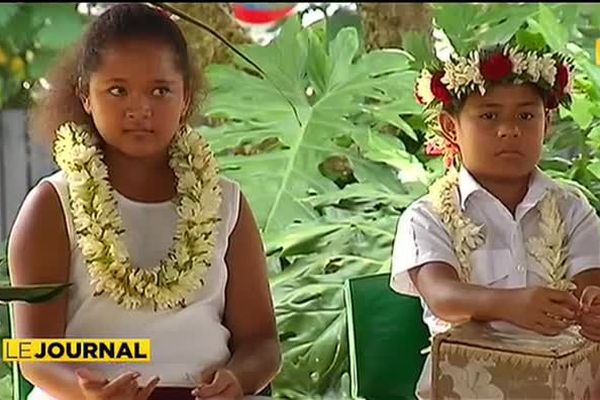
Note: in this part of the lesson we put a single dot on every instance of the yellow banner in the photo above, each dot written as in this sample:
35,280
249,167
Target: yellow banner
76,350
597,51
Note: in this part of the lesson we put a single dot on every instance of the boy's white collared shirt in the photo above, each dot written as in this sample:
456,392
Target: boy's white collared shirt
502,261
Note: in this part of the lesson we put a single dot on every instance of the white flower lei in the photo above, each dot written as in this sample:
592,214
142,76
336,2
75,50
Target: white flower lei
99,228
549,250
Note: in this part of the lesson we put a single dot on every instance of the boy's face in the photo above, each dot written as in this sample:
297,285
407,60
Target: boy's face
500,135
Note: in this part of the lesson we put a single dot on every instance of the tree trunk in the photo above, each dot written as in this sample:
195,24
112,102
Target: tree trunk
207,48
385,23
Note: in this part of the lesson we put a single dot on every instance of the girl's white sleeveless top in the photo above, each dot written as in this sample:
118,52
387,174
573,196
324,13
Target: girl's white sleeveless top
184,341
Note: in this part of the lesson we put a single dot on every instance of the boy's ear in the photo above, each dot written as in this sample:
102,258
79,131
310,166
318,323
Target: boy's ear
449,126
549,115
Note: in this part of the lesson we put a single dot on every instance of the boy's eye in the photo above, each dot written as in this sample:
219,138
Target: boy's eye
488,115
161,91
117,91
525,116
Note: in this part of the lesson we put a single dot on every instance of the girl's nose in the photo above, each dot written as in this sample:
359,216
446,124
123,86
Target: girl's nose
138,108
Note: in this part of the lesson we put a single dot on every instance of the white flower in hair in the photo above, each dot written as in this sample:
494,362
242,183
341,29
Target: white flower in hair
569,88
533,67
423,88
463,75
477,78
548,68
517,59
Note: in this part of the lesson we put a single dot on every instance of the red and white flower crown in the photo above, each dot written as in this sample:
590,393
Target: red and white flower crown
462,76
446,85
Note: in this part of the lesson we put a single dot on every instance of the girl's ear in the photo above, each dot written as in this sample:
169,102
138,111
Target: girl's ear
185,111
449,125
85,100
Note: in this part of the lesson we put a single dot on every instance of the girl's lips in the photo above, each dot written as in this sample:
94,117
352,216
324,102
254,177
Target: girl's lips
139,131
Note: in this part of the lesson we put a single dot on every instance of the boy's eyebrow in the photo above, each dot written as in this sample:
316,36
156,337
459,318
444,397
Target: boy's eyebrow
498,105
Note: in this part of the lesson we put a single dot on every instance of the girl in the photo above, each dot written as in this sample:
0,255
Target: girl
497,240
157,245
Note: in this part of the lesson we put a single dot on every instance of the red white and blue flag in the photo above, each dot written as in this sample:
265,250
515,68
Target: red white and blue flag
252,14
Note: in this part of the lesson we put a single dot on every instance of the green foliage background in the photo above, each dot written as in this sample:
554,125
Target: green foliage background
328,185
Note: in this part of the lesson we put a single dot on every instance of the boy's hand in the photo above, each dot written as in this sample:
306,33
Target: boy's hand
589,318
543,310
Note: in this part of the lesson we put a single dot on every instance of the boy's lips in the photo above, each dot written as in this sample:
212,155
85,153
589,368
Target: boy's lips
509,152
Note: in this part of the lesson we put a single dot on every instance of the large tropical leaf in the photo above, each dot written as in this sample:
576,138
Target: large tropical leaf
309,296
482,24
328,88
31,293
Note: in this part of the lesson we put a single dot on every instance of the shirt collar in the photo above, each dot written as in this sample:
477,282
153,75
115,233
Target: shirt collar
539,183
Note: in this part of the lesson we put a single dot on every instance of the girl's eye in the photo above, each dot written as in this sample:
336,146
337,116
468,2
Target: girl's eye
161,91
117,91
488,115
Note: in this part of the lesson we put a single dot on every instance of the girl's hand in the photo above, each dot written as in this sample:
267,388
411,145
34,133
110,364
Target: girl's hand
221,384
95,386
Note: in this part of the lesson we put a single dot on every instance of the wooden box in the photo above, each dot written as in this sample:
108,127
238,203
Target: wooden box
487,361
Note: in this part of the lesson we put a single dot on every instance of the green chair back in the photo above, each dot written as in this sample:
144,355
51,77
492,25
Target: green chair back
386,336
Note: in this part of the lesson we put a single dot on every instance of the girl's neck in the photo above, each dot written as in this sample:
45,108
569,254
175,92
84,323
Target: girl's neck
510,191
148,180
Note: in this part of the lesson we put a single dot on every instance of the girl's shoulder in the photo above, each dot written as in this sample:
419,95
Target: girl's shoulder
228,184
230,201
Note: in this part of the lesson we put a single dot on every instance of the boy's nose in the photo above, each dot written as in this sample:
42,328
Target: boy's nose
509,131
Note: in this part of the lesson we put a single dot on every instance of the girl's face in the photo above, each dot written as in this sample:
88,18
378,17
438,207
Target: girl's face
500,135
137,98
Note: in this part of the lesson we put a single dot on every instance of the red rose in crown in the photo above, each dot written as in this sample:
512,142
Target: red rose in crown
496,68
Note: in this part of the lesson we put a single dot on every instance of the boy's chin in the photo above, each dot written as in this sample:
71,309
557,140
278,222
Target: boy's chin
504,172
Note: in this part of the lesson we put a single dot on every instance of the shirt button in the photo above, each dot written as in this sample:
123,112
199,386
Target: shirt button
520,268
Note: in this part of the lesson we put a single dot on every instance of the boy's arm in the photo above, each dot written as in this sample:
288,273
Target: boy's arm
452,300
583,241
540,309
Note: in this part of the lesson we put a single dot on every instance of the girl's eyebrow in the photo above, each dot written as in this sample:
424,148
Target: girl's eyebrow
165,81
115,80
159,81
